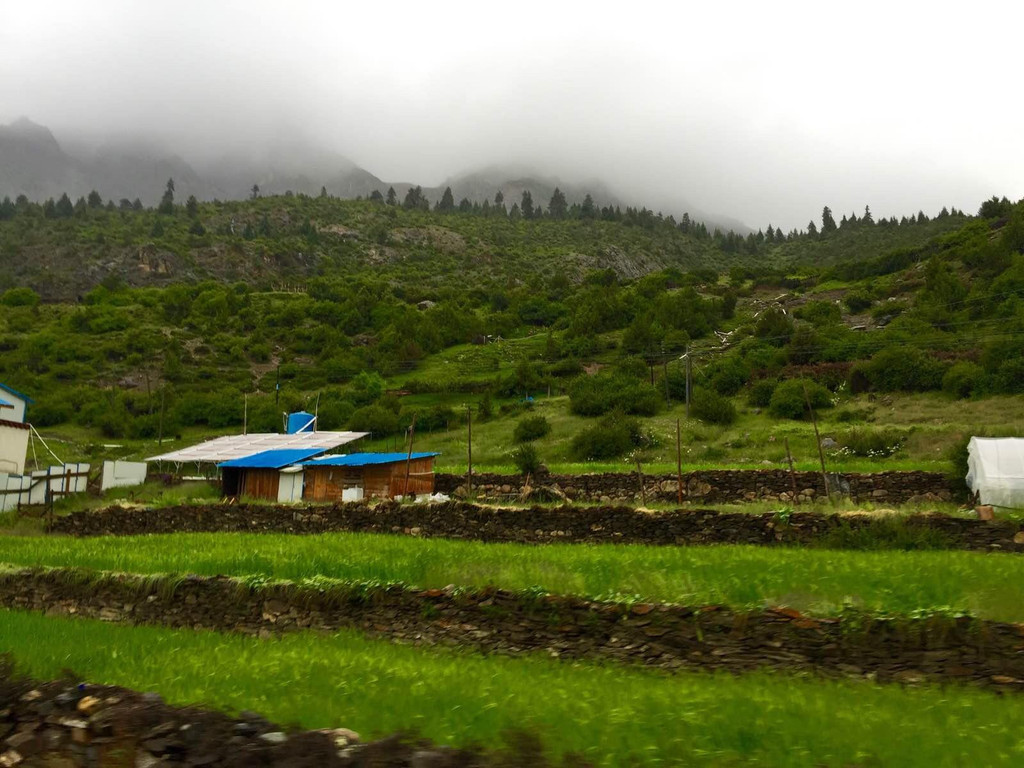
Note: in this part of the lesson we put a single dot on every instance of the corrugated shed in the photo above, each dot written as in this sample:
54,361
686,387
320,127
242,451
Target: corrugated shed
365,459
233,447
272,459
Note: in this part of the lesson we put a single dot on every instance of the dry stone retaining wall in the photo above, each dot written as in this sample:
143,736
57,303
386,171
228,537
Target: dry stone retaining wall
974,651
717,486
537,524
65,725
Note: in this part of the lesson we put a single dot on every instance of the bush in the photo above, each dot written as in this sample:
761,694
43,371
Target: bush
789,401
873,444
963,379
526,459
774,326
730,377
597,395
903,369
857,301
707,405
531,428
760,395
19,297
374,419
613,436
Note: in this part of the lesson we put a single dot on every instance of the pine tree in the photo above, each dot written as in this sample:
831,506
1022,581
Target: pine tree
465,206
94,200
137,205
323,192
167,200
558,205
255,192
769,234
867,218
828,224
392,196
447,204
64,208
526,206
588,210
514,213
499,198
376,196
192,206
812,230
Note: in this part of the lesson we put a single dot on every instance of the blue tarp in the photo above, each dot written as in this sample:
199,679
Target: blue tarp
363,459
276,459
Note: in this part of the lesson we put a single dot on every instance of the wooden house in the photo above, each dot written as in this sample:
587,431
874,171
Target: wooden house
365,475
273,475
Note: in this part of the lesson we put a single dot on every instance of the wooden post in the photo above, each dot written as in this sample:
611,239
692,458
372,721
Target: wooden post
408,456
469,449
245,413
664,373
679,465
688,380
160,423
792,472
817,440
640,476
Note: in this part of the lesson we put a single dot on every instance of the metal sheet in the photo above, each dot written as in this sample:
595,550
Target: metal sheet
236,446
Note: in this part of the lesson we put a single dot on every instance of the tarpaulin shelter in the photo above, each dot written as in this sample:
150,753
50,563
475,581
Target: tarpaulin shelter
995,470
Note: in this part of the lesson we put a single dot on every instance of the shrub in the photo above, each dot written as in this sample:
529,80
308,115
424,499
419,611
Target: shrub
374,419
531,428
903,368
963,379
597,395
873,443
789,401
613,436
526,459
819,313
19,297
760,395
857,301
707,405
774,326
730,378
485,408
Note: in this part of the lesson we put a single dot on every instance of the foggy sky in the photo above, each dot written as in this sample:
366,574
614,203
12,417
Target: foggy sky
758,112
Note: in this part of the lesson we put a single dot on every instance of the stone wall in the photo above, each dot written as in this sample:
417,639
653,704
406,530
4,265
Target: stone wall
717,486
540,524
492,620
67,725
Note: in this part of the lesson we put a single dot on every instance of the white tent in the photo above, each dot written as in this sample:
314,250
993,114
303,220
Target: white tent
995,470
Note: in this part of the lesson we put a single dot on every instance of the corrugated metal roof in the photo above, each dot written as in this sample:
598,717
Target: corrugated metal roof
17,394
363,459
238,446
272,459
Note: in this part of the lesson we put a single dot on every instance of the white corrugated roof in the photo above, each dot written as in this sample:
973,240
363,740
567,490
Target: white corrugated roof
236,446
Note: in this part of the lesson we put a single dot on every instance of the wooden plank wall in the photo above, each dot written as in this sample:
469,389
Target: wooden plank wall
260,483
381,480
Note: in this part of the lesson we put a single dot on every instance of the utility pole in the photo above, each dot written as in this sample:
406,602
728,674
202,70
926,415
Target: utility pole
160,423
688,380
469,448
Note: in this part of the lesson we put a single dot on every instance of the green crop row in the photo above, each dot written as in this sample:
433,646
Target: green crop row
816,581
612,716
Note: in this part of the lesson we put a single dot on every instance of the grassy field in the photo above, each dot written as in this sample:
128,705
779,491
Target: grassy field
612,716
929,423
816,581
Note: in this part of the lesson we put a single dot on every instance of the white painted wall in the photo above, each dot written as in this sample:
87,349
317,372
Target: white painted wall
13,483
122,474
289,489
13,448
15,414
57,479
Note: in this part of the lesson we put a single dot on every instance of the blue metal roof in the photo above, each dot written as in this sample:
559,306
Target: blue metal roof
276,459
363,459
17,394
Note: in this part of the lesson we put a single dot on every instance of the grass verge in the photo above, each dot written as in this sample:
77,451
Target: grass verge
610,715
819,582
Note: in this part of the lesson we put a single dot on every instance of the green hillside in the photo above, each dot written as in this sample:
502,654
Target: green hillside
129,324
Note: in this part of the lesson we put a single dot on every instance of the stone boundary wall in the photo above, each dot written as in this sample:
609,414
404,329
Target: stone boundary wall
66,725
717,486
541,524
983,653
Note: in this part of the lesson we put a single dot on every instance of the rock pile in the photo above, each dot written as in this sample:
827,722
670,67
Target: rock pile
536,524
79,725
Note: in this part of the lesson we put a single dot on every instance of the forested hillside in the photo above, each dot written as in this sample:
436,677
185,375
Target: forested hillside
183,311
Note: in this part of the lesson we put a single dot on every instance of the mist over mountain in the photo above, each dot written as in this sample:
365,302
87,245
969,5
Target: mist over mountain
34,163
